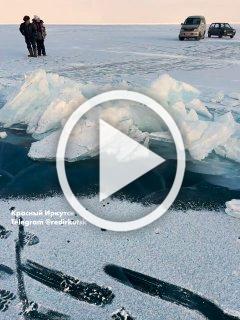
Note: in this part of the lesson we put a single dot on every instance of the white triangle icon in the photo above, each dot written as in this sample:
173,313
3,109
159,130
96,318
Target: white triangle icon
122,160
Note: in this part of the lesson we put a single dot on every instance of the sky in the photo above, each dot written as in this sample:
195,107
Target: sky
118,11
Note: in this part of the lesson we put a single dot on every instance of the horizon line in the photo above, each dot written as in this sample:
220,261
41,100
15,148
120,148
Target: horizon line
111,24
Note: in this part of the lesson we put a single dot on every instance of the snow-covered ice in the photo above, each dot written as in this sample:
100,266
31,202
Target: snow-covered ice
199,84
196,250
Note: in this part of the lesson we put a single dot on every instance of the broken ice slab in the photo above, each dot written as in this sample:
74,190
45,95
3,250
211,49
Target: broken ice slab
199,107
57,280
3,135
233,208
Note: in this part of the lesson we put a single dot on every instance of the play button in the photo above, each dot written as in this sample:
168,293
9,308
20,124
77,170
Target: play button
122,160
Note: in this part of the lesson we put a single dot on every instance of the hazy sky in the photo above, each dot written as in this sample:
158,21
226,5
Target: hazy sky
118,11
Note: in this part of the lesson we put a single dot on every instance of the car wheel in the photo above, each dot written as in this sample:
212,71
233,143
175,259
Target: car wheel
231,37
209,35
181,38
220,36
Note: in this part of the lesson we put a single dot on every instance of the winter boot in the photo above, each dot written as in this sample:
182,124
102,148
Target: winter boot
30,52
35,52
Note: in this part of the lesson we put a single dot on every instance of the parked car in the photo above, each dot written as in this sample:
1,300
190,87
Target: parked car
194,27
220,29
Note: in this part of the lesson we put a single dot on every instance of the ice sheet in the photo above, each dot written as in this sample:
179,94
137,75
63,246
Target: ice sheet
233,208
46,100
3,135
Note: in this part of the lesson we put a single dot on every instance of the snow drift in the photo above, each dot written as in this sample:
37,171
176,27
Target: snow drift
46,100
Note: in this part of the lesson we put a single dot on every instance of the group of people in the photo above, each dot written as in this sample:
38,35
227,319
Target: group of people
34,33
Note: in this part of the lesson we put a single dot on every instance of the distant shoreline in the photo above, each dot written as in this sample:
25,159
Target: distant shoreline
111,24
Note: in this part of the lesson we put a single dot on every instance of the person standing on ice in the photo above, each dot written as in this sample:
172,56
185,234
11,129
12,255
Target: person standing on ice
41,35
28,30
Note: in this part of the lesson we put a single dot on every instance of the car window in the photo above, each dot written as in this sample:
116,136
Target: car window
192,21
227,25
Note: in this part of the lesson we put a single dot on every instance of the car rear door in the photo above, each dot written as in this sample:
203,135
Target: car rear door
217,29
228,29
214,29
211,29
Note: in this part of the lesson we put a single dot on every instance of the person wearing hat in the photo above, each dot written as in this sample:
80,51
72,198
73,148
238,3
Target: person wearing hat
41,35
28,30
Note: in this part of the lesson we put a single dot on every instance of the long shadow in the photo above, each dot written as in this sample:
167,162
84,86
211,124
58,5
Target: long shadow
168,292
57,280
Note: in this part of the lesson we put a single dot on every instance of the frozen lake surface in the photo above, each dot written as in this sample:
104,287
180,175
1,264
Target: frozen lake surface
198,250
104,54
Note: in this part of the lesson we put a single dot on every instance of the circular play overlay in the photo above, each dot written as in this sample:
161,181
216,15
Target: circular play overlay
180,169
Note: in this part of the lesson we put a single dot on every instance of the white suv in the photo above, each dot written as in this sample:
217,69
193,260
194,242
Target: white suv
194,27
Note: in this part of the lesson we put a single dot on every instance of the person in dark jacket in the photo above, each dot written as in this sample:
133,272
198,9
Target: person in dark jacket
28,30
41,35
